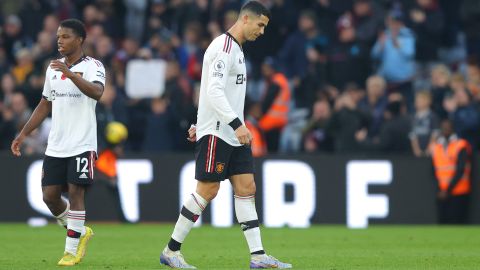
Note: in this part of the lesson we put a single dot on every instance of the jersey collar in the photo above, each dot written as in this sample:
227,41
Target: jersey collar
76,62
228,34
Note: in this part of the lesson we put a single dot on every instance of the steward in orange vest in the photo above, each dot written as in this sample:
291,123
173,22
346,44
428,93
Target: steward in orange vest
276,115
275,104
451,157
258,144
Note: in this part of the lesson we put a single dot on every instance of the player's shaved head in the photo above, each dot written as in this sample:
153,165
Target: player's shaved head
255,7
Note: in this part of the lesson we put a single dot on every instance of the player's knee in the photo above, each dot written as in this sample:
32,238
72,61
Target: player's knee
208,191
251,188
210,194
246,190
50,200
77,201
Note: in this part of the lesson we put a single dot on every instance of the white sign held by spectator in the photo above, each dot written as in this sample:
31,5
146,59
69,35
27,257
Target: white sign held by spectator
145,78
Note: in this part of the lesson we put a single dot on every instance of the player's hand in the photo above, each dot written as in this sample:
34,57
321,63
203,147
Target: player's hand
243,135
192,133
16,143
58,65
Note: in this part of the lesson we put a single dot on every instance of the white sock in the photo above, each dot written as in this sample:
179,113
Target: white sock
75,229
191,211
62,218
248,219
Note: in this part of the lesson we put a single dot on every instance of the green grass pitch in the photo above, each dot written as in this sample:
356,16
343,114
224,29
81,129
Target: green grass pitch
138,246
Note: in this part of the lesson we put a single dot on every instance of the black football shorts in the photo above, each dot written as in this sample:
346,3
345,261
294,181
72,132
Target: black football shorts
216,160
74,170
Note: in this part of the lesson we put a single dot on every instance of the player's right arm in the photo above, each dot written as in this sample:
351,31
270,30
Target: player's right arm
218,72
41,112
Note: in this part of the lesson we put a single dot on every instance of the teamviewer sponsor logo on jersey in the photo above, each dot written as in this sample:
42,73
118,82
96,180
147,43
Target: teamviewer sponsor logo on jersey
71,94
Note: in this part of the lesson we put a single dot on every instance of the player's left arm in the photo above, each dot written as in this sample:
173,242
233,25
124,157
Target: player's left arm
92,86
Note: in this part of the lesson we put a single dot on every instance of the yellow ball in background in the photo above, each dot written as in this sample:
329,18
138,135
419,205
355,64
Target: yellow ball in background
116,132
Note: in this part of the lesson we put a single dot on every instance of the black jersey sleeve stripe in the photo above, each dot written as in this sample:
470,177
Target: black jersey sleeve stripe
99,82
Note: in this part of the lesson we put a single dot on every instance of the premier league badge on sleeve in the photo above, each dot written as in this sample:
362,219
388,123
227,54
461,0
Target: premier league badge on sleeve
219,65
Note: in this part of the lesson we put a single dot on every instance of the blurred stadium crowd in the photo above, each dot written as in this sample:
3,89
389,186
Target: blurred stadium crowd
359,75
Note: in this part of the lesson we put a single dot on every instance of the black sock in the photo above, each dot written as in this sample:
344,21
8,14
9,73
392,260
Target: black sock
260,252
174,245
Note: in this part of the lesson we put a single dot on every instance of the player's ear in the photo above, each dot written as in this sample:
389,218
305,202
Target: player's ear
245,18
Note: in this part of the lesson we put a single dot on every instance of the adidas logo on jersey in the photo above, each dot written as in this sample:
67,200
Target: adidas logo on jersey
54,77
83,176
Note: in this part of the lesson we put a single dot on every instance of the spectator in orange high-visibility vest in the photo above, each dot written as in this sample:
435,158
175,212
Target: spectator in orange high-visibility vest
452,158
275,103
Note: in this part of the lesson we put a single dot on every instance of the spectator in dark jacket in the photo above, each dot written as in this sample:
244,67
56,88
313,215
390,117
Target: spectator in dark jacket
7,125
344,63
440,80
470,15
426,20
179,92
345,122
292,56
315,135
393,137
12,37
374,103
368,18
158,136
424,125
463,112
